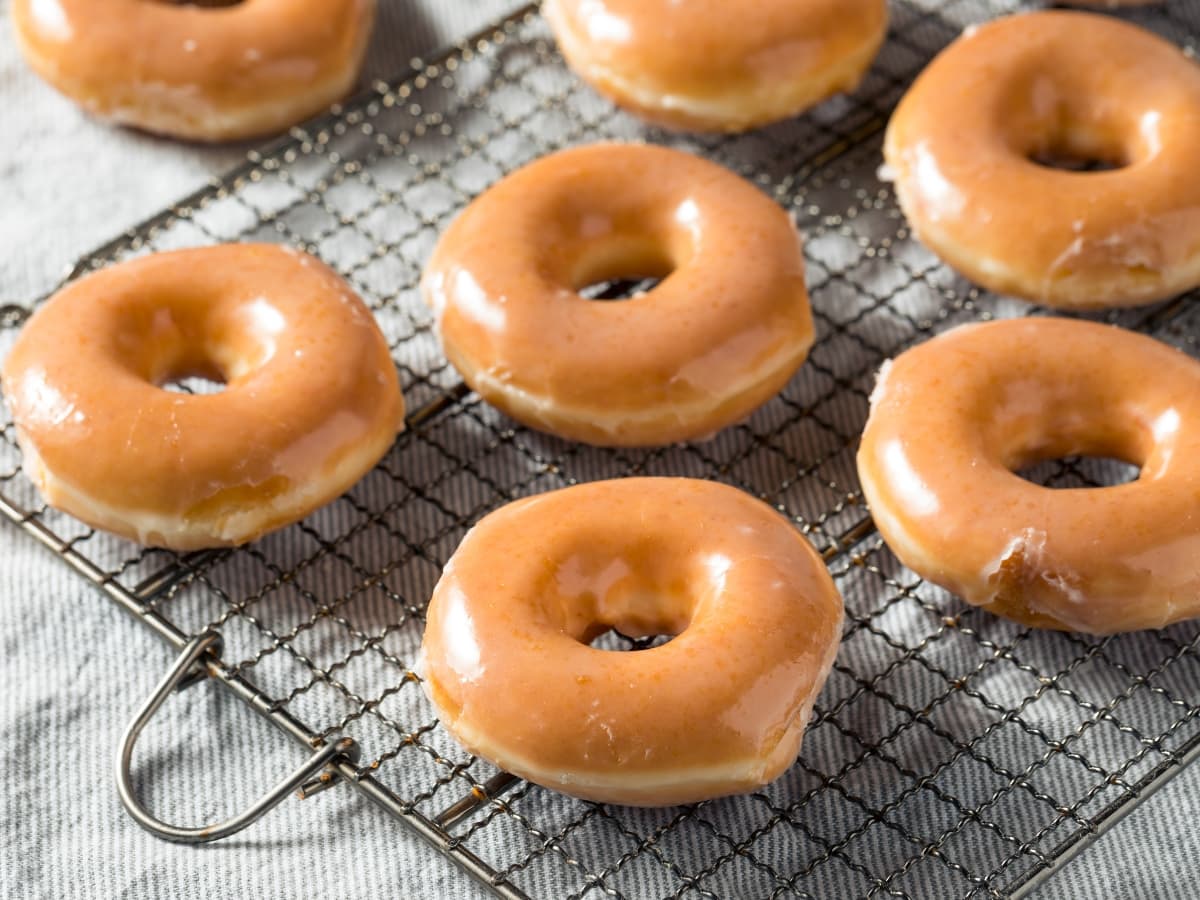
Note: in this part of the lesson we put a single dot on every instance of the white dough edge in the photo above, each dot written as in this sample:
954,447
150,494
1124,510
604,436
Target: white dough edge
666,786
183,112
639,427
156,529
1080,291
731,110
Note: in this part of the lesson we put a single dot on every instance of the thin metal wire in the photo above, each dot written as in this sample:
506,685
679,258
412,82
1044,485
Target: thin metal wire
951,754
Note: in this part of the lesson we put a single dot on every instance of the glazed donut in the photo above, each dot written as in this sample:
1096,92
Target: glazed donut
962,144
722,333
311,398
720,709
954,418
203,72
713,65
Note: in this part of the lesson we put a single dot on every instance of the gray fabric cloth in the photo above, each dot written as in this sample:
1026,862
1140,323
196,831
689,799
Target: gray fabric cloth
75,666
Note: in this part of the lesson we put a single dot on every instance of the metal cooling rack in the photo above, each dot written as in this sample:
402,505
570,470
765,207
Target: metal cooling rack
952,753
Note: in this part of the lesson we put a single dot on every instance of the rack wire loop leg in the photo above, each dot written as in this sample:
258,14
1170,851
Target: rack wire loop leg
335,749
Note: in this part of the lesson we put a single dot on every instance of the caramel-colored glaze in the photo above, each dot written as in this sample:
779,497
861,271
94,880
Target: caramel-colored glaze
962,142
720,709
952,420
721,334
195,72
712,65
311,398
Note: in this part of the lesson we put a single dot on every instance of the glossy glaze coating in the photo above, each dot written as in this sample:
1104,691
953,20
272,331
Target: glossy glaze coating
311,399
719,709
720,335
952,419
196,72
717,66
961,143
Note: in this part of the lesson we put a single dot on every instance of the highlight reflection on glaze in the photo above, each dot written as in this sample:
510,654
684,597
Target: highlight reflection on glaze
940,198
44,405
49,18
458,637
603,26
914,493
474,302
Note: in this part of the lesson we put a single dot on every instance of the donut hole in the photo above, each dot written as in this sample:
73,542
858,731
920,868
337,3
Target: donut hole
631,615
619,288
194,384
614,641
620,591
188,344
1067,160
188,373
1081,472
1073,145
622,269
1078,432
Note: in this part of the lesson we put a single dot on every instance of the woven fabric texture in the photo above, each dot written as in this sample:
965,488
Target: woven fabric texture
75,666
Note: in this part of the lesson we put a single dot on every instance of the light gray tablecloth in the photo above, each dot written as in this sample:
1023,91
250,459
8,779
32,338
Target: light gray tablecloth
74,667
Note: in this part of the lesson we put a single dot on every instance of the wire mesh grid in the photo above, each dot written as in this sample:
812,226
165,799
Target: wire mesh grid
952,753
